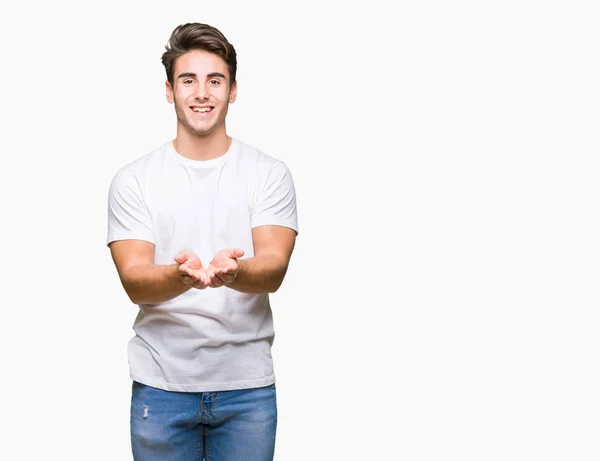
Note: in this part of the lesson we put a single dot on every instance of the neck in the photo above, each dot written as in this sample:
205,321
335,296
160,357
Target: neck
201,147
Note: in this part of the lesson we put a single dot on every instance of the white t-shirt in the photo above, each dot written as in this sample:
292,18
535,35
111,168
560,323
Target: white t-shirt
217,338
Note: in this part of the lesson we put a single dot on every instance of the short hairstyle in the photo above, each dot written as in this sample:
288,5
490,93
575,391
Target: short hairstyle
196,36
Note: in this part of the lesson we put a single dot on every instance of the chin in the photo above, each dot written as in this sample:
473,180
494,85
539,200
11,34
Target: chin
201,133
197,130
206,129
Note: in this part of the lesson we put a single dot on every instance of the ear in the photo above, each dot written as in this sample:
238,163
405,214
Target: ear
170,94
233,92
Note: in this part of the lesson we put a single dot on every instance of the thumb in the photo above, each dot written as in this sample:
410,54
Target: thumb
180,258
236,253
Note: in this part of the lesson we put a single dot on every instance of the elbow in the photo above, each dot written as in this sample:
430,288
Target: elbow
135,299
131,290
132,294
273,288
276,282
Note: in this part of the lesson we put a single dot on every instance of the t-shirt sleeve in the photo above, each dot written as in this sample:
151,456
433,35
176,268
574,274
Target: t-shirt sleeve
128,215
276,201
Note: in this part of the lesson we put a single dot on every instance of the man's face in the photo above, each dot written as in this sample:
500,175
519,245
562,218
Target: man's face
201,91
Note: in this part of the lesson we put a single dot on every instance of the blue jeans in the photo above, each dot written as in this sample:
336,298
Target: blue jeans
195,426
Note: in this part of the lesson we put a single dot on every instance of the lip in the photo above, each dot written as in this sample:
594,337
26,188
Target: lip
201,114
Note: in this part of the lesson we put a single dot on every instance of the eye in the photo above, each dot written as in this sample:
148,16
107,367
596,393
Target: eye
187,81
214,82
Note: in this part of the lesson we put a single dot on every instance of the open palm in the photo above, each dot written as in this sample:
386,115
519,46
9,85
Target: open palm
224,267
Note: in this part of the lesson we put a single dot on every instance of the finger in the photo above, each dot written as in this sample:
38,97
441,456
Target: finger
216,282
193,278
228,269
211,278
236,253
228,276
225,278
195,264
210,283
184,269
206,276
202,276
199,285
200,279
181,257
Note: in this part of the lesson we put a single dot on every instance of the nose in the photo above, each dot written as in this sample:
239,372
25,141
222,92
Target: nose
201,91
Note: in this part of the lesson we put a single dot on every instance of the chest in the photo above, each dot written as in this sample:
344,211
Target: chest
189,203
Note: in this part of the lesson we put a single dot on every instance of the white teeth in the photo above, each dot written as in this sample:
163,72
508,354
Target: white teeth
201,109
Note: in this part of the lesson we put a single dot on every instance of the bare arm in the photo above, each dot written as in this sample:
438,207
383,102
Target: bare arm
148,283
262,273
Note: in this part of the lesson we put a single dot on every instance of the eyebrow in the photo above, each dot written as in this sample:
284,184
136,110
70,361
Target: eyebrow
211,75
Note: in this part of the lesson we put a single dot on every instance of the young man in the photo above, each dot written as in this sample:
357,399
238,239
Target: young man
201,231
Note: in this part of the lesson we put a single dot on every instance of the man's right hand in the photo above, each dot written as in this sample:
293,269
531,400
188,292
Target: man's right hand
191,271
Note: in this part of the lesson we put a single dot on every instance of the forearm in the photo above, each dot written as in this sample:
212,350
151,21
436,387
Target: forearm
260,274
152,284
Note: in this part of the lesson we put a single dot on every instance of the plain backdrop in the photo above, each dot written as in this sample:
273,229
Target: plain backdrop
442,300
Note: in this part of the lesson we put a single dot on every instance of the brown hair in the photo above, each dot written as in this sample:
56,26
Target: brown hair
196,36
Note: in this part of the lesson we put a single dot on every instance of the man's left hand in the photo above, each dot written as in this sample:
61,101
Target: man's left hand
224,267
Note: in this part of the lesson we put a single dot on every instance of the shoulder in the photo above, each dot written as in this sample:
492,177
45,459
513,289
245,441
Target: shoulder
140,168
256,159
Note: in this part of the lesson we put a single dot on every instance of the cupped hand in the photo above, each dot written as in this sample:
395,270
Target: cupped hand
224,267
191,271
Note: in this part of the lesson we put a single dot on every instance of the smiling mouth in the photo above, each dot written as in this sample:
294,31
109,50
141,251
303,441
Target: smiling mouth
201,110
